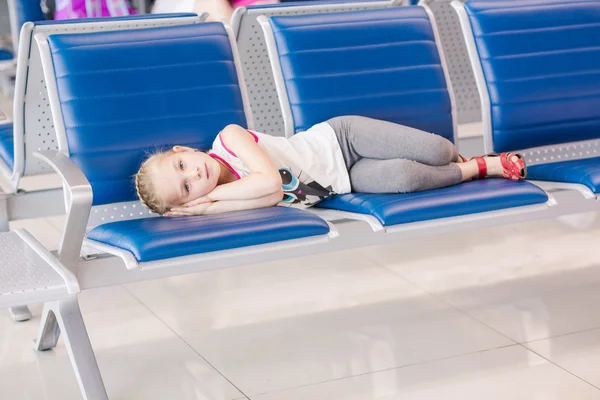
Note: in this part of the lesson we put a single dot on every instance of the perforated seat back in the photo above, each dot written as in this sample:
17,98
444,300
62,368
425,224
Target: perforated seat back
541,63
255,60
127,93
34,128
382,64
468,104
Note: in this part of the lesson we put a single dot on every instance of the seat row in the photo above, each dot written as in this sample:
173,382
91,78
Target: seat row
112,103
116,95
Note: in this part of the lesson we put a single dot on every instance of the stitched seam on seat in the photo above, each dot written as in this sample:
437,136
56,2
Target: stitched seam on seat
366,46
126,95
369,71
154,119
533,7
549,100
551,28
543,53
587,175
142,68
383,94
525,128
136,41
542,77
93,151
395,18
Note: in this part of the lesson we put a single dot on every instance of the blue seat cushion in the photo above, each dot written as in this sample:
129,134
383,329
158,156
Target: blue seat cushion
153,239
331,66
467,198
7,149
585,172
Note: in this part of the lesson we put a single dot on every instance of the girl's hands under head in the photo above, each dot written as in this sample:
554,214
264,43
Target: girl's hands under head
193,207
199,200
188,210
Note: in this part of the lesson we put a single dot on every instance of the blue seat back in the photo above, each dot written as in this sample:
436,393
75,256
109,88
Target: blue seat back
33,126
541,63
28,10
124,94
382,64
22,11
258,73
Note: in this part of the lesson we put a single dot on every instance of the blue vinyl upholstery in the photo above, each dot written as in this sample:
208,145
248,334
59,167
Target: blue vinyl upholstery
585,172
332,67
7,149
541,62
123,95
5,55
153,239
467,198
28,10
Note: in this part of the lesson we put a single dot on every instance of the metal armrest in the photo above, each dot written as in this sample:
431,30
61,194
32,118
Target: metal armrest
78,204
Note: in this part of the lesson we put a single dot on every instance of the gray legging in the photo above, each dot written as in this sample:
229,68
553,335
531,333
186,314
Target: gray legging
383,157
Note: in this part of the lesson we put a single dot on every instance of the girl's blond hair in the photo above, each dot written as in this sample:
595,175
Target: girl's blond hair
144,184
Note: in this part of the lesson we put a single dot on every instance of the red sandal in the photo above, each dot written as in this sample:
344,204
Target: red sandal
515,170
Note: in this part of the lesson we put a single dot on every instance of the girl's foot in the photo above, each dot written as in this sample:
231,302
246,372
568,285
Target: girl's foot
505,165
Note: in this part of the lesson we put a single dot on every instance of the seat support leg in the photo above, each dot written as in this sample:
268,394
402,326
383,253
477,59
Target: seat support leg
65,316
20,314
3,212
49,331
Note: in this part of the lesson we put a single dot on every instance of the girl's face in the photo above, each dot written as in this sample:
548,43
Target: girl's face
184,175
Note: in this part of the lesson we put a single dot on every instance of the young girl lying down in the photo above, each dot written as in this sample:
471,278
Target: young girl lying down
247,170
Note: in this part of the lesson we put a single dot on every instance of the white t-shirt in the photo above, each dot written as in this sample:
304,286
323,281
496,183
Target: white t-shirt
310,163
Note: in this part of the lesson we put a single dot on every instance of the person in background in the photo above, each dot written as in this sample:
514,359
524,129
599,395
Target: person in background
73,9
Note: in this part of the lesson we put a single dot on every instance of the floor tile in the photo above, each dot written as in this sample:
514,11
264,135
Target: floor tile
528,281
105,298
578,353
508,373
139,358
280,325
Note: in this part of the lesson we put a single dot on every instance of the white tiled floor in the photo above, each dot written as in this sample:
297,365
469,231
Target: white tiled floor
503,313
